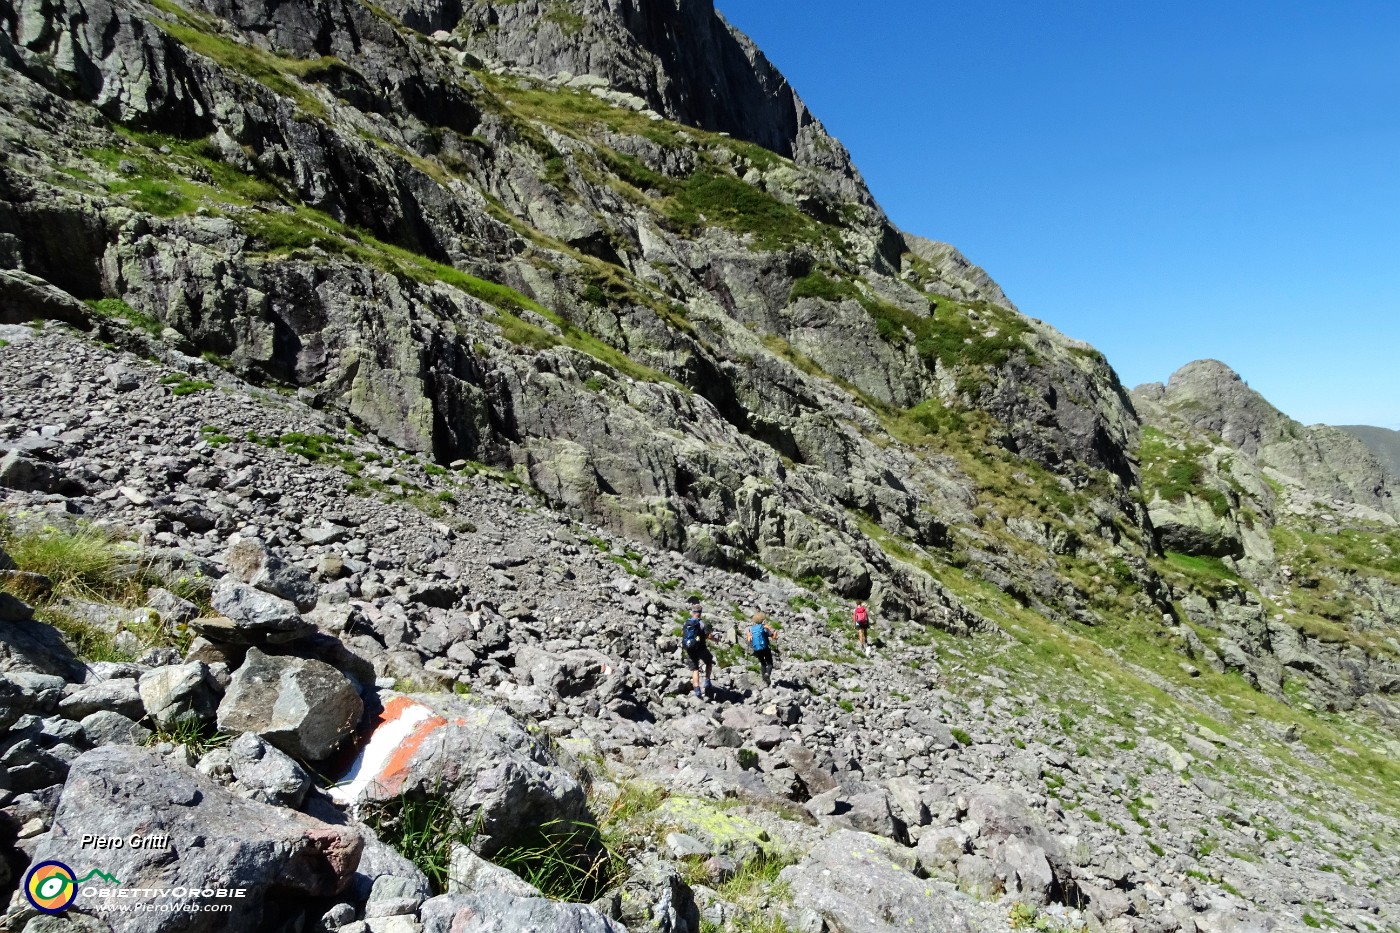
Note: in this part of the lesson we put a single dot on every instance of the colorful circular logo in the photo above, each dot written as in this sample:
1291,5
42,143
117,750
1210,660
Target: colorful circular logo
51,887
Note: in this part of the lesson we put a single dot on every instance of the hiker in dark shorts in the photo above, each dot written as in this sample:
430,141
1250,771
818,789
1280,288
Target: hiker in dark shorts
862,620
695,638
759,636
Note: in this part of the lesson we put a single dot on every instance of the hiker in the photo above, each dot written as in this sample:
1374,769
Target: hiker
862,617
695,638
758,636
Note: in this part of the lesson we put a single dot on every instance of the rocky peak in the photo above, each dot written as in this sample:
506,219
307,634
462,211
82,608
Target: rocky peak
1325,462
1214,398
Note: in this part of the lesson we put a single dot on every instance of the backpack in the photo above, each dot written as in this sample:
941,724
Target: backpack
693,633
759,636
862,616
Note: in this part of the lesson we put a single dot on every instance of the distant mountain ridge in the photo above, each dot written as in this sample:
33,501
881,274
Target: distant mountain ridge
1383,442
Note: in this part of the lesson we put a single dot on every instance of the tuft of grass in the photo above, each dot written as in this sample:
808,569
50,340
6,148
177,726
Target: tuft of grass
88,563
570,21
214,436
713,198
199,737
962,736
566,860
88,642
117,309
181,384
1174,472
423,829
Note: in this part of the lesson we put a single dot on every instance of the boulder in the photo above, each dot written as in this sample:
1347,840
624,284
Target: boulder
28,645
717,830
265,774
1002,813
570,674
941,848
179,692
865,810
24,473
194,833
105,727
861,883
817,775
469,873
36,752
172,609
656,897
1026,870
305,707
251,617
377,859
24,692
479,758
119,695
249,561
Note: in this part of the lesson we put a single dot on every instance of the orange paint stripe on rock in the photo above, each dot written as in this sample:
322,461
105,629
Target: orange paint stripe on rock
382,764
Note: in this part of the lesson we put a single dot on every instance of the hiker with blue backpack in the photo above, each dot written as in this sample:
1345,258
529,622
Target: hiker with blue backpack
759,637
695,638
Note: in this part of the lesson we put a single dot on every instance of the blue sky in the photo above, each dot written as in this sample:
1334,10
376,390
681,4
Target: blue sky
1168,181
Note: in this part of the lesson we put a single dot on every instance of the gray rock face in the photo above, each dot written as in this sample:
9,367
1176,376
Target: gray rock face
1383,442
201,835
864,884
700,468
305,707
662,52
1329,462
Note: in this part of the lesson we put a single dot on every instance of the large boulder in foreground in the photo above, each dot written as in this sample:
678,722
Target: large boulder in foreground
477,756
861,883
195,835
305,707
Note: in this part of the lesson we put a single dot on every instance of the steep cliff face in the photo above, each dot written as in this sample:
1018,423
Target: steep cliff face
677,55
628,291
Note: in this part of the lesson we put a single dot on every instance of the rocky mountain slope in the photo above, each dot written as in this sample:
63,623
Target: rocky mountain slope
285,574
1383,442
477,334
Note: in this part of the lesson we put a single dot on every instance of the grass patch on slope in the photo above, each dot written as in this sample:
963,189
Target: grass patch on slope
299,228
88,564
278,73
711,195
953,335
1174,472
